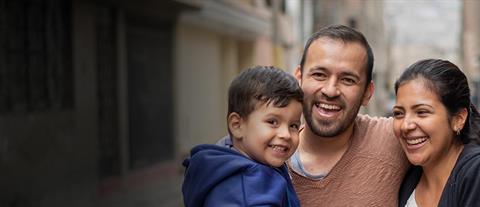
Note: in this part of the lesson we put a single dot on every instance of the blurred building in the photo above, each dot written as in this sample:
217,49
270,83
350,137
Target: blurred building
101,100
367,17
422,29
471,45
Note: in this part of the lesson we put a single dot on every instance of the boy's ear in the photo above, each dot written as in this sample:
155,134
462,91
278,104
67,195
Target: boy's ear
298,74
235,123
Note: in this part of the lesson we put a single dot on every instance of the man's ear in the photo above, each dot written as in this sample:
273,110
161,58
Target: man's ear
459,119
368,93
298,74
235,125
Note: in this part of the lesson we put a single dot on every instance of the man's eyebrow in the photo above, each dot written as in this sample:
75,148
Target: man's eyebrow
318,68
348,73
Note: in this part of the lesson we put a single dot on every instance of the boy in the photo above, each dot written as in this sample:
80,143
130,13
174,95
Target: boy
264,109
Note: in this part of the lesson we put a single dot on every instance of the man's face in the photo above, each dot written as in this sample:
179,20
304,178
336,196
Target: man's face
333,82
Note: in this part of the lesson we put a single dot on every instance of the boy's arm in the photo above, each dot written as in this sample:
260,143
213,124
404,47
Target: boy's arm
256,186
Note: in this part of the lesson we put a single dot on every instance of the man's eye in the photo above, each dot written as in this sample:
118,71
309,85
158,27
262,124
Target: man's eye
349,81
319,75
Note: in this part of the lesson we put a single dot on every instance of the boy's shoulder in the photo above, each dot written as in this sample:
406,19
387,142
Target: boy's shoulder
212,171
221,162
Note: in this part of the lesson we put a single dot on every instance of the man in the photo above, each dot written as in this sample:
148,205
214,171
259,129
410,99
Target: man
343,159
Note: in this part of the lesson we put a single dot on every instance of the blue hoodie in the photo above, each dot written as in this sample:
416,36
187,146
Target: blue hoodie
220,176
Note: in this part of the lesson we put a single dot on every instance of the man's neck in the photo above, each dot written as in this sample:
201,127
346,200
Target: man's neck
320,154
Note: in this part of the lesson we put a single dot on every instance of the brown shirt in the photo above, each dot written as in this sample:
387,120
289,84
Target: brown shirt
369,173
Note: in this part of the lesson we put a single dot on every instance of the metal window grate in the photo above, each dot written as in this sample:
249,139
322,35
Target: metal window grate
35,56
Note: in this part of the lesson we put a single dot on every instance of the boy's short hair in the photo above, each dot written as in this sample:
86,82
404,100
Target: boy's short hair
265,84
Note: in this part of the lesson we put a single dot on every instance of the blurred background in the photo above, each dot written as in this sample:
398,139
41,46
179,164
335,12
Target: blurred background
100,101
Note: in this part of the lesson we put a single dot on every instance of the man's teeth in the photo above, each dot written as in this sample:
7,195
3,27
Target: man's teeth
327,106
416,141
279,148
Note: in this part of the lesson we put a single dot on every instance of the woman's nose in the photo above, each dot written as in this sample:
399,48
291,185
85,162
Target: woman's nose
408,124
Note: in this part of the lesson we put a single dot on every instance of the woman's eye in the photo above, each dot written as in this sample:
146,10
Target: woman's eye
397,114
423,113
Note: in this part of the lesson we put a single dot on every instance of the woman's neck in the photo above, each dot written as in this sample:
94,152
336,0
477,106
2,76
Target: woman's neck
435,176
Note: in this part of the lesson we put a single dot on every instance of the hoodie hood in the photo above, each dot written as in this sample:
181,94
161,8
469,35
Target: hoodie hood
207,166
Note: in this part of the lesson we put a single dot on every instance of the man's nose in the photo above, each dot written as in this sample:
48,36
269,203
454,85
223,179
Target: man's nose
330,88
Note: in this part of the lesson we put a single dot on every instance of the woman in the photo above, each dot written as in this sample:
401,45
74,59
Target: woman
438,128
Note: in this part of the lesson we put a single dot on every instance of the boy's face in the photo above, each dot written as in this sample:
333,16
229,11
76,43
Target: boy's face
268,135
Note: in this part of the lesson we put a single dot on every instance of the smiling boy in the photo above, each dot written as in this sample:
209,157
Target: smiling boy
264,110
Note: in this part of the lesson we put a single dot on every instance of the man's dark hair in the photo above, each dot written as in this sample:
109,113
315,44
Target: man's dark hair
262,84
345,34
450,84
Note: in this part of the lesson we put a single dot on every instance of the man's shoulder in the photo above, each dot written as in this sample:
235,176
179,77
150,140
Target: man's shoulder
375,136
373,120
366,125
376,133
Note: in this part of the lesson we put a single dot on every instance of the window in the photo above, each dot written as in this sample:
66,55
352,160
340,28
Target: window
107,80
35,56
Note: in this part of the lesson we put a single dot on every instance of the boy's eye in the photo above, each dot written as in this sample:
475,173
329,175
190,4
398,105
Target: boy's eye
272,121
295,126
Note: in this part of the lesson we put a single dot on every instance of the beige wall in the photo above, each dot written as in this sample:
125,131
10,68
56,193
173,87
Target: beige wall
471,39
206,62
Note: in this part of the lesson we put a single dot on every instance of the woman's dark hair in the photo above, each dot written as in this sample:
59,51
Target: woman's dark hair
451,85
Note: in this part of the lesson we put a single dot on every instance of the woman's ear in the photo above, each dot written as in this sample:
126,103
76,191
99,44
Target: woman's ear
235,125
459,119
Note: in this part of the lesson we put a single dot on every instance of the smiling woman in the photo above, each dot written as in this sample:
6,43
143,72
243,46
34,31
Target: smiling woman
437,126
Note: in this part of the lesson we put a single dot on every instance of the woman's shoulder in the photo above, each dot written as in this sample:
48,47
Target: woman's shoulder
469,161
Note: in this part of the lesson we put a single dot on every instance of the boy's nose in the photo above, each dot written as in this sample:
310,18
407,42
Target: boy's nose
284,132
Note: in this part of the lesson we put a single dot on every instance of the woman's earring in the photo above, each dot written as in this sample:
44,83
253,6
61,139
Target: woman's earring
458,131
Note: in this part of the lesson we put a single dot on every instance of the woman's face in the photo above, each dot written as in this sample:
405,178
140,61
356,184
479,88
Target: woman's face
421,123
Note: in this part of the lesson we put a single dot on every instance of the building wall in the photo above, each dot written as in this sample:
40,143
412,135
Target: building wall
48,158
56,158
199,82
423,29
471,45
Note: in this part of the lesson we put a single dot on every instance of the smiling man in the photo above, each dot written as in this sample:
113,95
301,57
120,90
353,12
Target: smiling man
343,159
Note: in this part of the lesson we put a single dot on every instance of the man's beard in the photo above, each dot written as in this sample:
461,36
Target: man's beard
323,128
